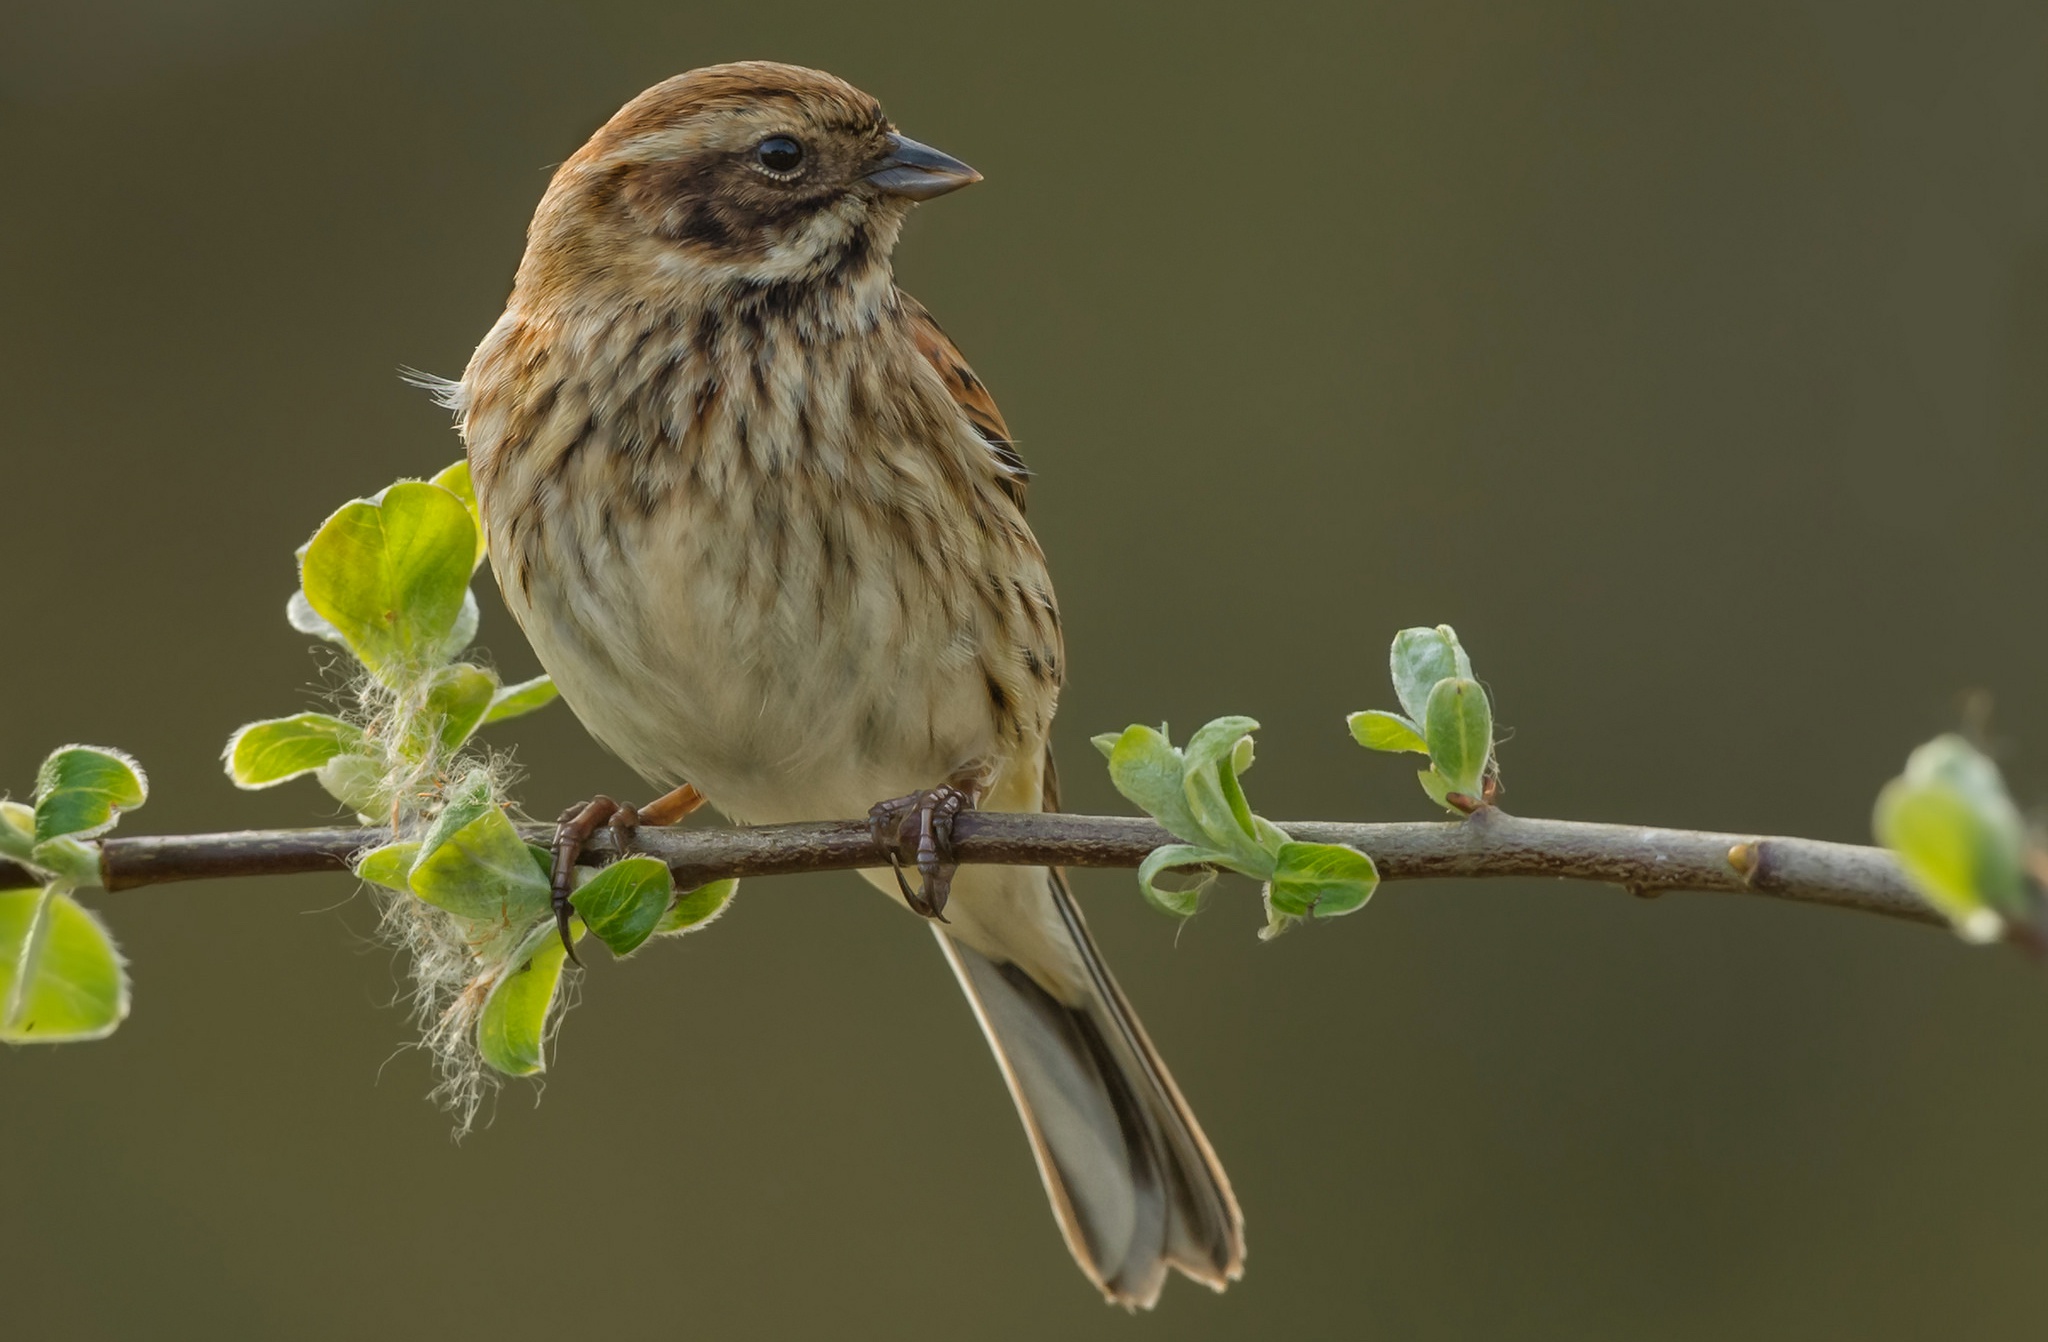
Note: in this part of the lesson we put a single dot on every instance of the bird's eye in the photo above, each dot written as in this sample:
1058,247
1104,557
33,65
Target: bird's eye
779,153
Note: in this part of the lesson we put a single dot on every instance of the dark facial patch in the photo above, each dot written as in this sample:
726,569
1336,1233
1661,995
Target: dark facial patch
722,202
718,203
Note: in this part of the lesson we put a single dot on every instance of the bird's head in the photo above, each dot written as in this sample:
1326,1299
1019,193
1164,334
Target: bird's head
753,172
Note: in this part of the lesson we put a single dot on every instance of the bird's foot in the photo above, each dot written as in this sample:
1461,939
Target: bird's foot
934,811
581,821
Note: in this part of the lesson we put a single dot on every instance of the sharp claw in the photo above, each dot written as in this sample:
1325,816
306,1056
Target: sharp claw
938,884
910,896
576,825
558,894
562,907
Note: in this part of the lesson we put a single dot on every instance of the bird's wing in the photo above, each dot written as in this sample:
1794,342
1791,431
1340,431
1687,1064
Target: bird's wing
970,394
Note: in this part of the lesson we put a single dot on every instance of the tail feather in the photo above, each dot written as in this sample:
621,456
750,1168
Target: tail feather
1133,1182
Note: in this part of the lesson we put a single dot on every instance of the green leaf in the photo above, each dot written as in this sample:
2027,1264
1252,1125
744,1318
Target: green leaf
697,908
264,754
1958,836
1217,741
513,1025
474,864
455,479
467,801
1196,796
1242,757
357,782
1106,743
516,701
60,977
306,620
1438,787
1178,903
17,830
460,698
392,575
82,790
1277,922
1421,658
389,866
1149,772
1270,837
1376,729
1321,880
624,902
1459,728
1215,797
464,632
72,860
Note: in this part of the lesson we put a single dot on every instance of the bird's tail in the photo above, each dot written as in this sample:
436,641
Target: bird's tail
1133,1181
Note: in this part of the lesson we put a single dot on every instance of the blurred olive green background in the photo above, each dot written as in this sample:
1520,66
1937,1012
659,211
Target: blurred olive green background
1691,359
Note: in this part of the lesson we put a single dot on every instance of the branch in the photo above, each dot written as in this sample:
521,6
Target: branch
1489,843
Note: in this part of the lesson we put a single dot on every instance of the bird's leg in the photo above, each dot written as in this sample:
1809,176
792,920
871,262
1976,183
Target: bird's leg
582,820
934,811
671,807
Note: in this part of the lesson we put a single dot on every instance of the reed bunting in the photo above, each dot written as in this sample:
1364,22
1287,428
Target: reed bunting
765,527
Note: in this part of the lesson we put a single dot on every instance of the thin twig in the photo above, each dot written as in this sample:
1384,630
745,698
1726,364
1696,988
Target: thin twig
1490,843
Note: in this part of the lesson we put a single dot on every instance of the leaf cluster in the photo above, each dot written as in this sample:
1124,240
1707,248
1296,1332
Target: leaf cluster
472,865
1962,842
1196,795
1445,715
61,978
387,579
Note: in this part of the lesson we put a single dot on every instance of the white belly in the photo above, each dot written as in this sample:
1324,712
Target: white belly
790,690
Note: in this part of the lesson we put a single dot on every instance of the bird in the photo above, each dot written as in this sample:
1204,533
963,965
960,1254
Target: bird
765,528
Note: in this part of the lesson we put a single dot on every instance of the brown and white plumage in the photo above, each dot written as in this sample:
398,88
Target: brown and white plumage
765,527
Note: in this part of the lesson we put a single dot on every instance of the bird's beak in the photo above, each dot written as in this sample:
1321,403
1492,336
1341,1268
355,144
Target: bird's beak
918,171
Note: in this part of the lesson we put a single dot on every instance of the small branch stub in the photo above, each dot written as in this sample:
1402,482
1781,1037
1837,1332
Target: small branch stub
1747,859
